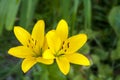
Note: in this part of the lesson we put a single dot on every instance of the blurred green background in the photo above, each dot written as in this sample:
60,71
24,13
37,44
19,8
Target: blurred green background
99,19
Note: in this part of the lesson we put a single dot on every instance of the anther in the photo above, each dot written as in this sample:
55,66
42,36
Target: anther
28,40
35,42
65,50
68,44
32,39
62,47
27,45
63,42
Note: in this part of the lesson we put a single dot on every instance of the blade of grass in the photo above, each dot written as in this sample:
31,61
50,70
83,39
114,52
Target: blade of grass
3,11
74,15
113,19
26,12
13,6
65,8
87,13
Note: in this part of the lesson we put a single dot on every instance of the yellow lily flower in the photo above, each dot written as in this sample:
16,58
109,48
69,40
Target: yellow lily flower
63,49
32,46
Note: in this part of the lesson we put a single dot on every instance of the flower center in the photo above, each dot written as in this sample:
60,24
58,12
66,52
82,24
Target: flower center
63,49
32,44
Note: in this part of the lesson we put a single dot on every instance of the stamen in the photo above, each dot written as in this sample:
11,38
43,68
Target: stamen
28,40
35,42
63,42
65,50
62,47
32,39
27,45
68,44
61,54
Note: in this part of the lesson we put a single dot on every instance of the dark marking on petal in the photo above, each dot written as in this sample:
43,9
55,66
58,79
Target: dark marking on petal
48,48
68,45
32,39
62,47
63,42
65,50
28,40
27,45
35,42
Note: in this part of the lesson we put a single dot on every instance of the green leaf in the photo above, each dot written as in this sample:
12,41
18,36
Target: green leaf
79,77
74,15
3,12
90,33
118,77
103,55
40,72
105,72
64,8
116,53
13,6
85,49
114,19
87,13
26,12
95,59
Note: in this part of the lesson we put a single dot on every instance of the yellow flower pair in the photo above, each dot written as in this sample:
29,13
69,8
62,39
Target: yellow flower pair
55,45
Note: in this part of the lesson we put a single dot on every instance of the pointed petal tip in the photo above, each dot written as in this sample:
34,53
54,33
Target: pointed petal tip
10,51
65,73
16,27
83,35
62,29
87,63
79,59
24,71
41,22
27,64
63,21
63,65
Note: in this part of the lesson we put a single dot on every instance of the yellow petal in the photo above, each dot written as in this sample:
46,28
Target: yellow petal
63,64
45,45
48,54
38,33
20,52
77,58
28,63
75,42
62,30
54,42
45,61
22,35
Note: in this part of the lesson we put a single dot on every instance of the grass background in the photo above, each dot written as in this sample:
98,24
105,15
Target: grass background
99,19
